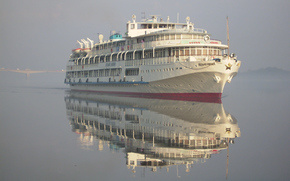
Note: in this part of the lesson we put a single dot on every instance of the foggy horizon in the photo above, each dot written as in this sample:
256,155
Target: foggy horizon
41,34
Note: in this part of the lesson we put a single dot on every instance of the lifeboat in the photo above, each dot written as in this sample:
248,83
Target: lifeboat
76,50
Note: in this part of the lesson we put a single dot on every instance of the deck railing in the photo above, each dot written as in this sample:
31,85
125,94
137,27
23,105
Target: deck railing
146,45
145,61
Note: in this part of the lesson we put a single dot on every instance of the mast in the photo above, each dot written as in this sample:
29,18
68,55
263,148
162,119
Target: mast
227,169
228,36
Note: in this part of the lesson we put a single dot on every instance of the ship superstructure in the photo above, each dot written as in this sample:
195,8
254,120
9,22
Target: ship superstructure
155,57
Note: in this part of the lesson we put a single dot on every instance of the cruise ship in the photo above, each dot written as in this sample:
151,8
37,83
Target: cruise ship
155,57
153,133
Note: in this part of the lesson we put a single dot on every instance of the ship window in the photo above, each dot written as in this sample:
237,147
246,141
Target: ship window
158,38
186,36
187,52
205,51
192,51
91,73
147,39
181,52
132,71
166,37
86,73
132,26
210,51
86,60
101,73
198,52
115,72
177,52
172,37
107,72
114,57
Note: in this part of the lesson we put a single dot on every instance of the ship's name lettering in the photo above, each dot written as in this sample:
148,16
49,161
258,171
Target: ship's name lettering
195,42
110,64
204,64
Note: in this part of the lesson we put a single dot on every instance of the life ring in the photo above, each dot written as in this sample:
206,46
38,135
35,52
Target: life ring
206,38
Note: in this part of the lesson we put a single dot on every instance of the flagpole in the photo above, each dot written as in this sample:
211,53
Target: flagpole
228,36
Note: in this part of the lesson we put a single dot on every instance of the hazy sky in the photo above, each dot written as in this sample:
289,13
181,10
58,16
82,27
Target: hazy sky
40,34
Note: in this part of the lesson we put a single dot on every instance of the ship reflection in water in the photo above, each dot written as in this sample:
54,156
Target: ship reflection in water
153,133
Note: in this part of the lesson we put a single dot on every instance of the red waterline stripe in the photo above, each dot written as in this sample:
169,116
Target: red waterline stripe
199,97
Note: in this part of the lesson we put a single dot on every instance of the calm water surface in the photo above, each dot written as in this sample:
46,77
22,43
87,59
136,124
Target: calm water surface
50,133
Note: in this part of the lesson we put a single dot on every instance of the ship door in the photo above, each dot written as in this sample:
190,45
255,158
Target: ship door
141,78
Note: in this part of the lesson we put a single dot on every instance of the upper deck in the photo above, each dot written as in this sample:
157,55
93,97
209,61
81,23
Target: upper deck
152,25
151,34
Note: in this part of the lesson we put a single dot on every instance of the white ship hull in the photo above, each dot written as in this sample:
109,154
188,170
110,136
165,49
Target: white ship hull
185,79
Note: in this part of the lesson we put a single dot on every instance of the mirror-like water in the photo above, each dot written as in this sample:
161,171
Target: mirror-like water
50,133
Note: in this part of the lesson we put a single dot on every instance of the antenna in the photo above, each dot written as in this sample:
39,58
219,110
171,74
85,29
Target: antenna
134,18
228,36
187,19
101,38
177,17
